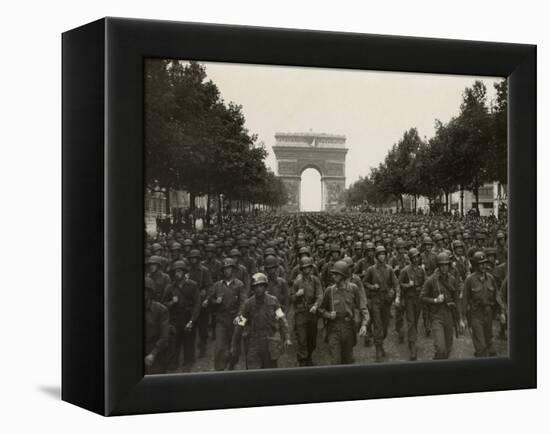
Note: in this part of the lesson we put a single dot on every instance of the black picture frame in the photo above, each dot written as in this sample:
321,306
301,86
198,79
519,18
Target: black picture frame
103,232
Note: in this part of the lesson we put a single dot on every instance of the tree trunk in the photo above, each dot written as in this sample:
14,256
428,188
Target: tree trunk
401,199
446,201
476,193
220,212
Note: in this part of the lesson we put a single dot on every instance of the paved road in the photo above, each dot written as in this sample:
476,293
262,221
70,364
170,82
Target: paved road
396,352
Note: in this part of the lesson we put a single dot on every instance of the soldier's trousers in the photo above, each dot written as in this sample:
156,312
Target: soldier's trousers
341,340
305,328
481,322
413,307
182,339
224,334
257,354
442,332
202,328
399,319
380,317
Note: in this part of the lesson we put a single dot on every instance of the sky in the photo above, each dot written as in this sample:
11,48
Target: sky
372,109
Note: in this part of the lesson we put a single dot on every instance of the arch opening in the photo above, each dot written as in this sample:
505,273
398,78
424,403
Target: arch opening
310,190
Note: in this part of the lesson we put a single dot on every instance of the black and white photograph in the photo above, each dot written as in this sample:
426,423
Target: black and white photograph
298,217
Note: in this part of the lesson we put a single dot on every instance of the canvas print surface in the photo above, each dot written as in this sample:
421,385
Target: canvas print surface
299,217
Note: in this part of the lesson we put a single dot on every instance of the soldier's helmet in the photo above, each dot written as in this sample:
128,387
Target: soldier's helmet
194,253
259,279
458,244
304,251
234,252
500,236
480,236
210,247
228,262
149,284
187,243
369,246
479,258
401,244
155,260
490,251
156,247
358,245
271,262
438,237
379,250
175,246
179,265
306,262
413,253
443,258
243,243
427,241
340,267
335,248
319,243
270,251
348,260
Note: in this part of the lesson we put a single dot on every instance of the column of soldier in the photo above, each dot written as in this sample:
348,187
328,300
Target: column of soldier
253,290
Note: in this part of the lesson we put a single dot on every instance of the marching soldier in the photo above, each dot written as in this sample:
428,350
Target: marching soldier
411,280
156,331
263,326
184,302
481,300
200,274
397,263
227,298
161,279
344,307
441,294
382,286
307,294
276,286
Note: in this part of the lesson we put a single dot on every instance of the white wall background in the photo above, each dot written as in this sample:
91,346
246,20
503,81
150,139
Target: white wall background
30,179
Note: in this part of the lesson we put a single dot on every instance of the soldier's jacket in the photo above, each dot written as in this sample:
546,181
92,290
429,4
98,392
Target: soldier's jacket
463,266
156,328
414,274
262,320
250,264
241,273
398,262
162,280
201,275
362,266
438,284
278,288
383,275
184,297
233,294
499,273
325,277
347,300
502,254
313,293
480,290
215,268
429,261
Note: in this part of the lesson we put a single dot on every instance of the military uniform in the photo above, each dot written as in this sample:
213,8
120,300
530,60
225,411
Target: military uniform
305,322
279,289
381,298
201,275
233,295
156,336
264,327
412,279
185,308
442,314
480,300
349,303
398,263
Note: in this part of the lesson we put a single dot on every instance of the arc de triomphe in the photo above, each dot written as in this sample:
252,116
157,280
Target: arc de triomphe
296,152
